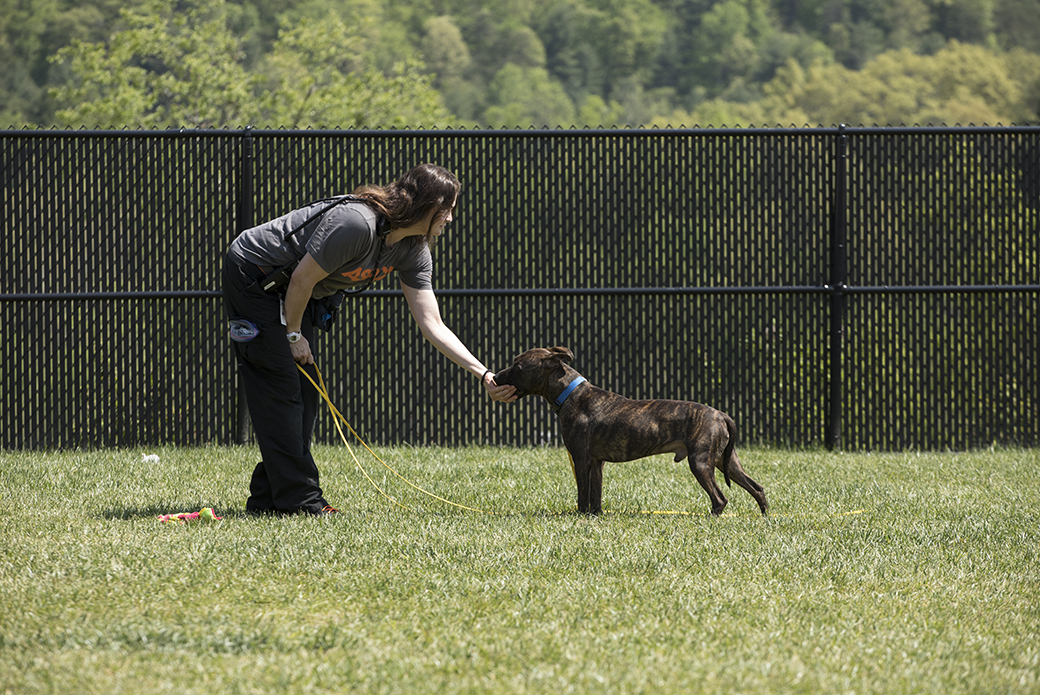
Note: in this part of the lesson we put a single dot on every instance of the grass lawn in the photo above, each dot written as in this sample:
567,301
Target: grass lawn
875,573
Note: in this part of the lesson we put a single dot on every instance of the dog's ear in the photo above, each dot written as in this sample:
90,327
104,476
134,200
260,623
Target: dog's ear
564,354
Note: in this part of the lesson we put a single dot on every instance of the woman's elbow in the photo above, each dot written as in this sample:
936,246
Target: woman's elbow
431,329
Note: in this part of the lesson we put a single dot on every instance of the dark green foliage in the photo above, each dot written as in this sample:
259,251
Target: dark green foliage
594,62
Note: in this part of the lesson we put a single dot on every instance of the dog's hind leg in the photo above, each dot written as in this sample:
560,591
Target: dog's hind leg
738,476
731,468
703,469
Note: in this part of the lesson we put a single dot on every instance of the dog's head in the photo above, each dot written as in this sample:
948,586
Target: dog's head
535,370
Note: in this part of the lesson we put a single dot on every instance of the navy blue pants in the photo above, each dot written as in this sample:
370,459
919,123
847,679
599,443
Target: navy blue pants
282,403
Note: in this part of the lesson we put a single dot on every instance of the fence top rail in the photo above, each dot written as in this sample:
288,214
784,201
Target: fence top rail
778,131
559,291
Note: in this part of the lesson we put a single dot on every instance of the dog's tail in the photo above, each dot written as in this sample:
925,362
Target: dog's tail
727,453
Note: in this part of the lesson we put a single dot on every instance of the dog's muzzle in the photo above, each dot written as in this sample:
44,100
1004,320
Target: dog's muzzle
502,379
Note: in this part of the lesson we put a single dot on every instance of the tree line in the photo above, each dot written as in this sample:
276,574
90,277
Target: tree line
517,63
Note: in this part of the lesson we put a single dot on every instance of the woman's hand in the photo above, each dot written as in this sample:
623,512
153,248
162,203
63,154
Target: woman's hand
301,351
502,394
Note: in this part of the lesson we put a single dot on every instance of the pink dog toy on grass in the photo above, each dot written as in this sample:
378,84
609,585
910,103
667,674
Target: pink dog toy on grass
205,514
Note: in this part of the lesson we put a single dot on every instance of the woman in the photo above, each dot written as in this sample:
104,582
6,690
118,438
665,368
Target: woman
303,259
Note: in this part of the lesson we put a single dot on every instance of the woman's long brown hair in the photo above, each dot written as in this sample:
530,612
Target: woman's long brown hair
410,198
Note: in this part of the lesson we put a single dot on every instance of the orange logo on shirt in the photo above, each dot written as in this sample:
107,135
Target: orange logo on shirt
363,274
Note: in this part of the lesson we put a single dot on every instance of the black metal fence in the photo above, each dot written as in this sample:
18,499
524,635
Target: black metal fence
856,287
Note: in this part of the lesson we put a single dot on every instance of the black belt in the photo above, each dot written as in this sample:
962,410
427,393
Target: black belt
253,271
275,279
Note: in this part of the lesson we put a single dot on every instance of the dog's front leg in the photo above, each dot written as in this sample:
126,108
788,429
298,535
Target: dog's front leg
581,464
596,487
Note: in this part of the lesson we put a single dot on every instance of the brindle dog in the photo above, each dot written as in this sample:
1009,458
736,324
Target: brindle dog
600,426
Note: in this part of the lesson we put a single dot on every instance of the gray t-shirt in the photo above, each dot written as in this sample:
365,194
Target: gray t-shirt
344,243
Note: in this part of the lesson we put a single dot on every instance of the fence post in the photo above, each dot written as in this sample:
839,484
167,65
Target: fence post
837,293
245,221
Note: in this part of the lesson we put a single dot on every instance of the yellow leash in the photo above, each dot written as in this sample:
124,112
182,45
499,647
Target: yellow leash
337,416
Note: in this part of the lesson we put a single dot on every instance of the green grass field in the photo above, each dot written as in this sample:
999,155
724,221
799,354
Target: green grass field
875,573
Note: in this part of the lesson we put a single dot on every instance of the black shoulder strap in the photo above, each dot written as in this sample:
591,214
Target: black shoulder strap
382,229
382,224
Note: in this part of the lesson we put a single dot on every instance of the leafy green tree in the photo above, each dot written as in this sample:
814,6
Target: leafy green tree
1016,24
855,43
167,68
638,104
965,20
175,68
202,63
626,36
597,113
449,62
17,87
30,32
905,22
775,49
444,50
571,57
317,77
740,44
519,45
527,96
961,84
1025,66
727,50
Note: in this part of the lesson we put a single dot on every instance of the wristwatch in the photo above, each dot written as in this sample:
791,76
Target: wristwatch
294,337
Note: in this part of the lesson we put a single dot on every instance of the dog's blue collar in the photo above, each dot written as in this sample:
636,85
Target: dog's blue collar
568,391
